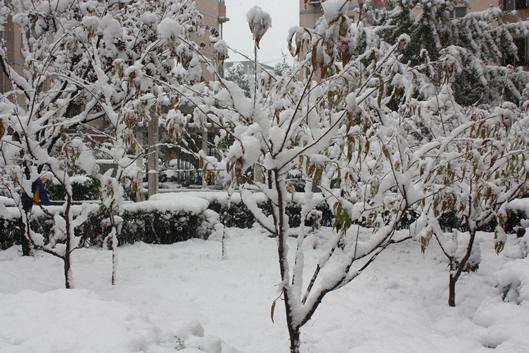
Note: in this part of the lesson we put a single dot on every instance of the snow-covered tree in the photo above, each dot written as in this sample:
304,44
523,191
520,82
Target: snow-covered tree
463,110
236,73
88,64
479,45
17,151
338,131
476,172
361,121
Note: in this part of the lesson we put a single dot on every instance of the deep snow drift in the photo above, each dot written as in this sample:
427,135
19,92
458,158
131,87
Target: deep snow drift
182,295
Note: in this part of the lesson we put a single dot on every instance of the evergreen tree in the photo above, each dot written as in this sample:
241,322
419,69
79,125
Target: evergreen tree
471,51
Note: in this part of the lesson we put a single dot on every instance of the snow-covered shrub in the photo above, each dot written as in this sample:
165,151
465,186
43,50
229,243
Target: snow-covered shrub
42,224
160,225
513,280
233,214
210,225
10,232
160,220
163,227
83,188
237,214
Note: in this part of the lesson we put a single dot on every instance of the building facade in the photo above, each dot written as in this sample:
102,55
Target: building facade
310,10
213,19
11,36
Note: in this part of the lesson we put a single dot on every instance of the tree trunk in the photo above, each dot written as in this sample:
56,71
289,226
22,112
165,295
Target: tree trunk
67,271
26,248
224,254
68,281
114,258
152,159
452,291
205,149
281,229
141,167
24,237
294,340
455,276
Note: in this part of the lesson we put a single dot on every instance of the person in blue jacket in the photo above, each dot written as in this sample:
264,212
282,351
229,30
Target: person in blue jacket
39,191
40,197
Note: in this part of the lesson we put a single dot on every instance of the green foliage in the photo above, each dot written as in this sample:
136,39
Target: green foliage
90,189
236,214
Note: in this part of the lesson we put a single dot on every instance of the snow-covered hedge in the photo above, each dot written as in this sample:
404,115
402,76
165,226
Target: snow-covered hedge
9,232
158,221
83,188
173,217
234,213
11,228
164,221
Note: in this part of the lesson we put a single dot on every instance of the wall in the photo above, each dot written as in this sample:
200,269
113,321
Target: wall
12,38
310,13
480,5
212,11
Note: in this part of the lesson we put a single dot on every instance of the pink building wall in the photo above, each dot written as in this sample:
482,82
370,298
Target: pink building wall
480,5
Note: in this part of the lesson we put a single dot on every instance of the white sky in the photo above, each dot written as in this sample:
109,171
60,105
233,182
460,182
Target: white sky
285,14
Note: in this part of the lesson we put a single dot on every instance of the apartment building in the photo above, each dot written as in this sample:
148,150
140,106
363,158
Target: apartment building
514,10
214,17
11,36
310,10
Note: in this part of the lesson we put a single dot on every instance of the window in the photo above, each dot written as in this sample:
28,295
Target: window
509,5
521,44
521,4
522,60
460,11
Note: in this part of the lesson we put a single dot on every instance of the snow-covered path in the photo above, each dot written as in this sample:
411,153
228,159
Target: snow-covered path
398,305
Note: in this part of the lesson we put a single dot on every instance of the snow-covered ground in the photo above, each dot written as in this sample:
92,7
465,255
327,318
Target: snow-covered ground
182,295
